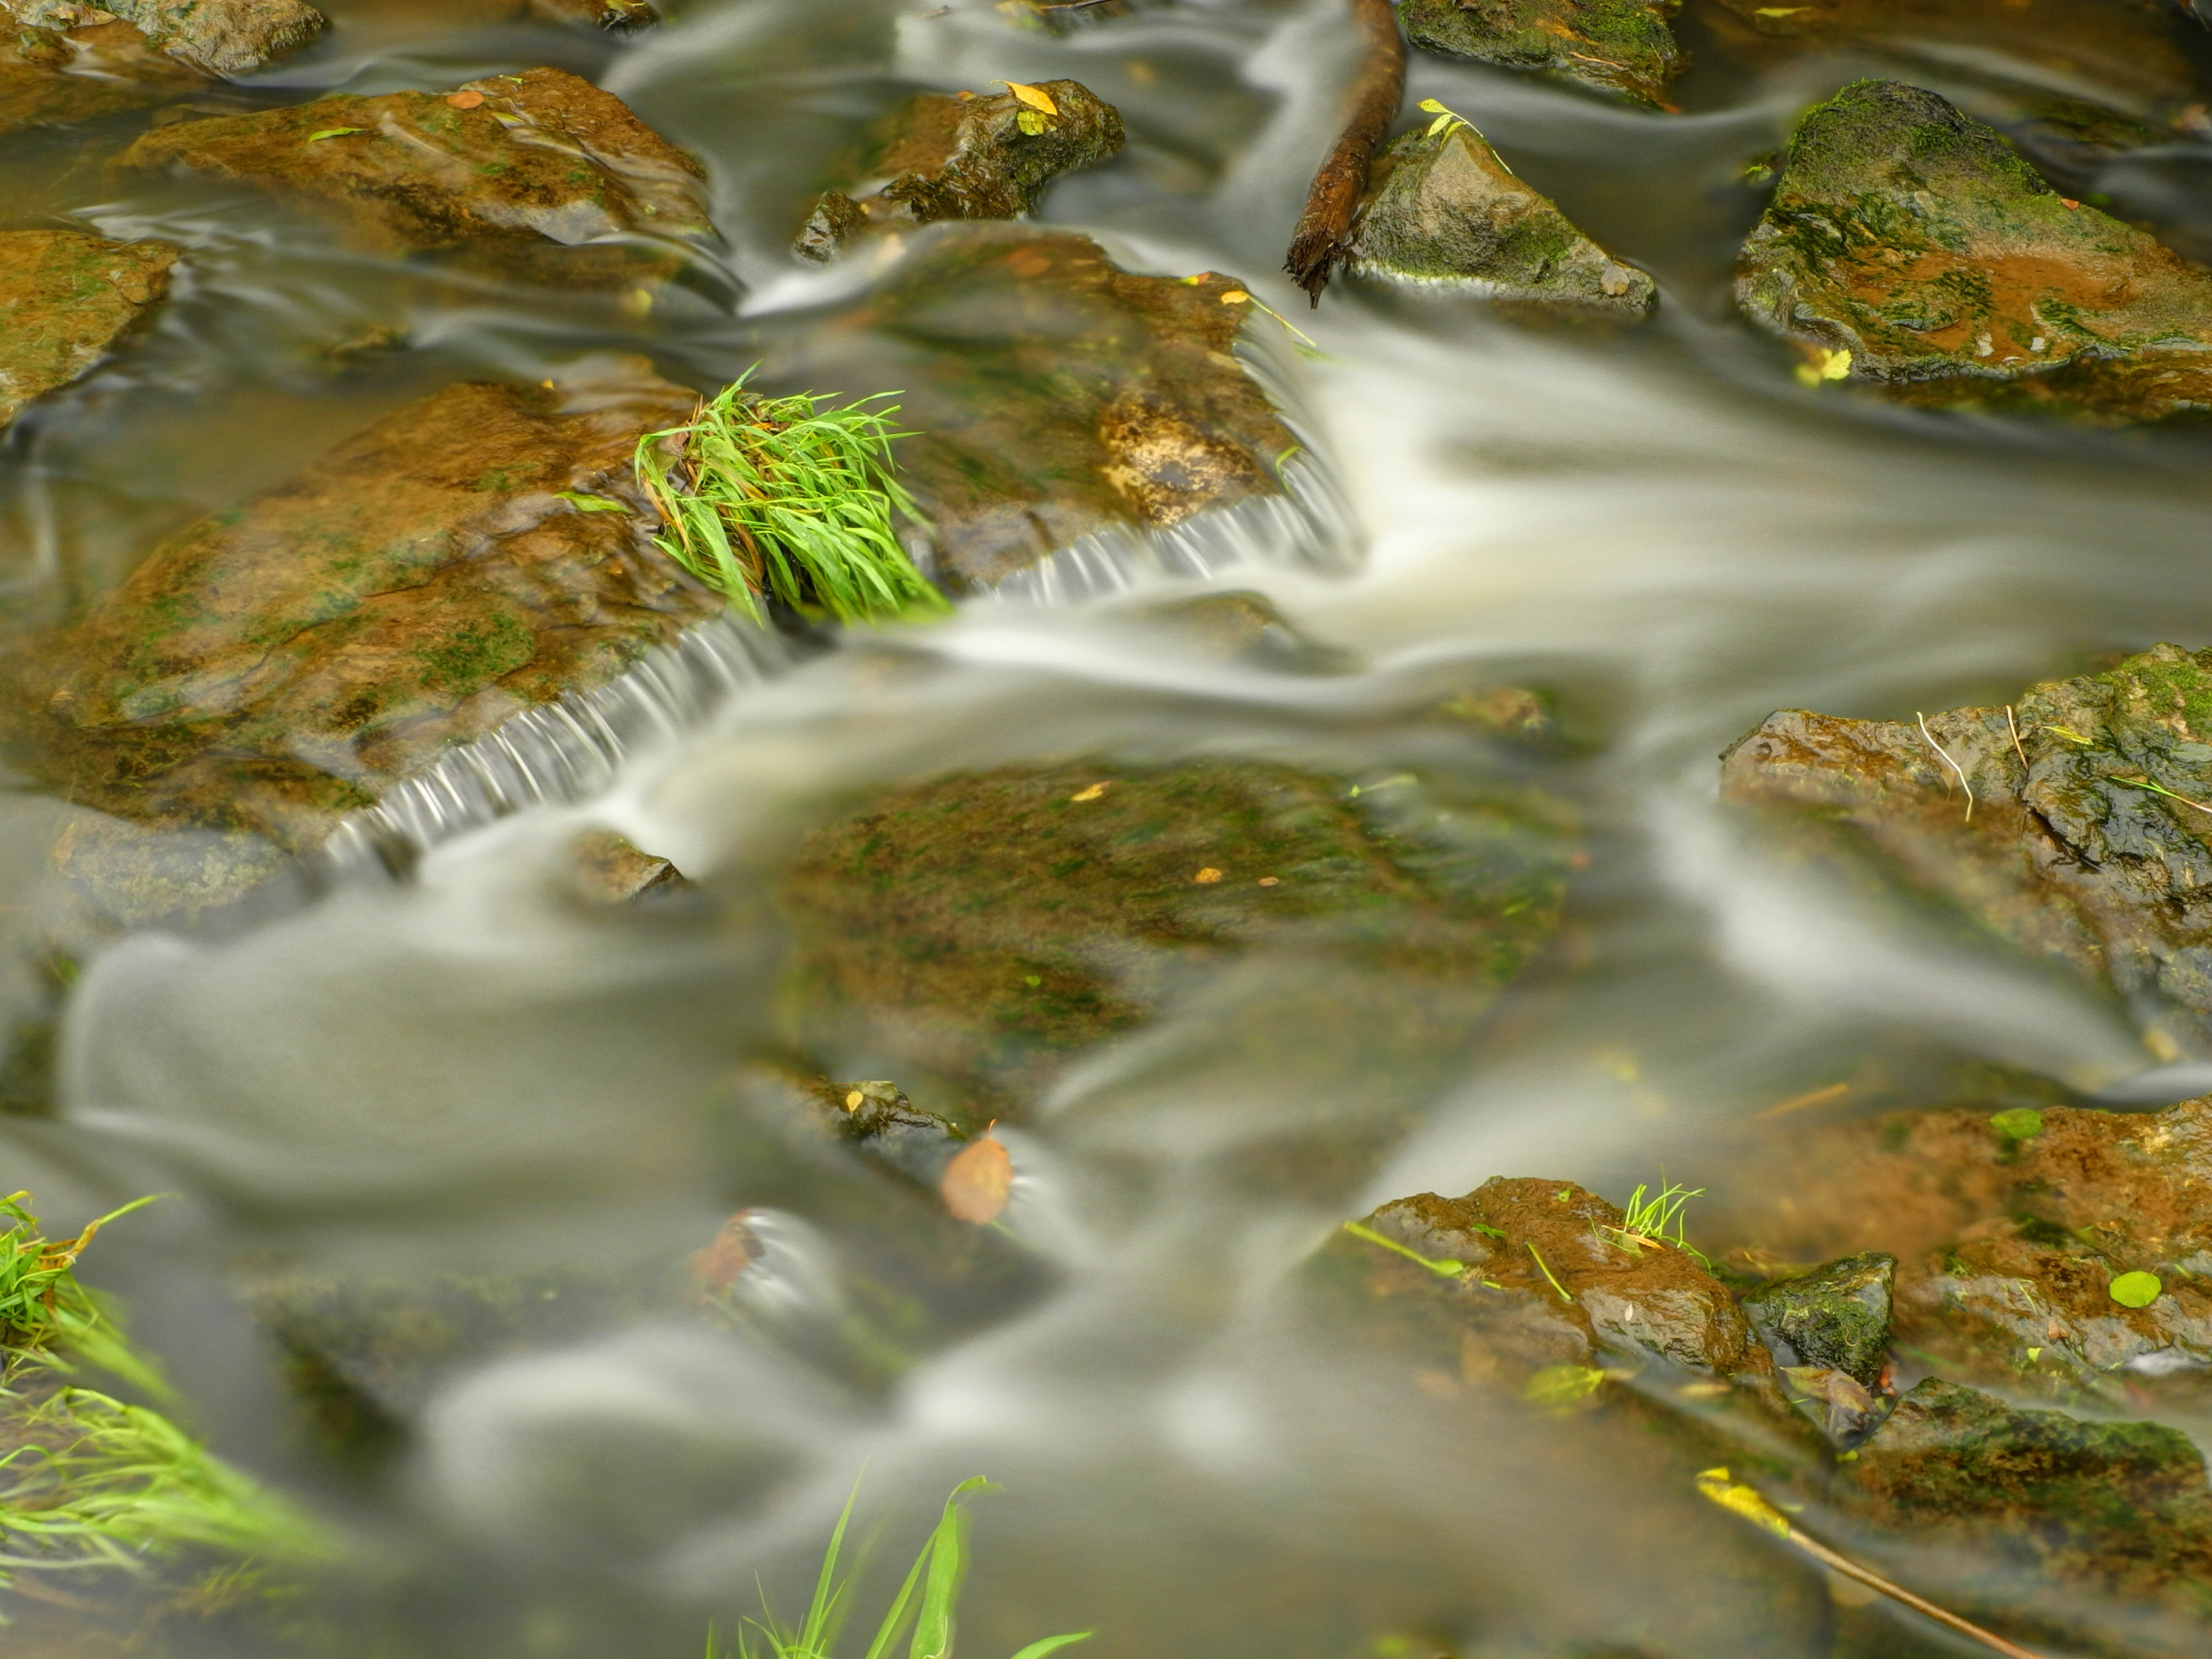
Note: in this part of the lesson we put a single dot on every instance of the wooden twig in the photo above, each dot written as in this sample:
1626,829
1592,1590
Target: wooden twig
1371,105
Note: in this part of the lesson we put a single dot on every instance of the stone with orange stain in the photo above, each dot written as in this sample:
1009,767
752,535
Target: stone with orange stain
1919,241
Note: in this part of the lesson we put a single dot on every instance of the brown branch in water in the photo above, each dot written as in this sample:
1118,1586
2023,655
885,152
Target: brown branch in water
1371,105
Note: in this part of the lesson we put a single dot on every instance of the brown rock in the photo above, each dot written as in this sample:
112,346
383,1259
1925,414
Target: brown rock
273,668
618,17
51,76
1057,393
543,175
65,299
220,37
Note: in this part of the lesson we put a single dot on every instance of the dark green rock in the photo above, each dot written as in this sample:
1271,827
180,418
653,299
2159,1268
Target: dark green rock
1447,213
1836,1317
66,299
966,157
1617,46
1918,241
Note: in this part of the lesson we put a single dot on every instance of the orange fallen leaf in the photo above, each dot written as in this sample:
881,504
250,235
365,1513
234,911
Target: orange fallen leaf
1092,793
718,1267
976,1181
1207,877
465,100
1271,881
2067,202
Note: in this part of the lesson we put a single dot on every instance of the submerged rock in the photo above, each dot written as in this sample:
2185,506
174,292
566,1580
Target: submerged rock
1835,1318
53,75
1617,46
1055,393
616,16
222,37
2087,845
541,174
2081,1508
1547,1276
1447,213
966,157
983,931
66,298
275,666
1917,242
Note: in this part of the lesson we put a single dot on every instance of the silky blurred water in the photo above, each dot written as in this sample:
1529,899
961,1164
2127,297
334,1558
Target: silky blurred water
466,1070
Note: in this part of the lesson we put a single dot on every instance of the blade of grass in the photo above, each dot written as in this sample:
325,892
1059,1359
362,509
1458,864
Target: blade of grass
827,1592
948,1566
1053,1644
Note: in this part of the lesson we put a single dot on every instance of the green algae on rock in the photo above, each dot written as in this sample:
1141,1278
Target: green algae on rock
1919,242
1836,1317
275,666
966,157
542,174
2085,846
1447,213
66,298
984,931
1055,394
1617,46
220,37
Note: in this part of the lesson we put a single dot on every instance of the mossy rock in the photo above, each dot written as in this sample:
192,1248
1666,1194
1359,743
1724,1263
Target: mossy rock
1623,46
968,157
66,300
1446,213
540,176
1835,1318
220,37
1917,240
983,932
2083,850
1056,394
278,665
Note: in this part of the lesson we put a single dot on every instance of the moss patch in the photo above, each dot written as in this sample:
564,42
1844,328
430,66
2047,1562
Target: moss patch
65,301
1617,46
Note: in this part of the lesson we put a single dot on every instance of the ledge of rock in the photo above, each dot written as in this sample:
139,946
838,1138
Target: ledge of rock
1917,240
220,37
1447,213
542,174
274,667
1616,45
985,930
967,157
616,16
2085,846
53,75
1055,393
66,298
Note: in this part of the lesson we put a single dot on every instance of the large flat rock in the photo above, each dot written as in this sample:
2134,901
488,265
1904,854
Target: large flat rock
66,298
1624,46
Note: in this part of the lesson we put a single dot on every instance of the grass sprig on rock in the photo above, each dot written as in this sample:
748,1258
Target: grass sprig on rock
781,498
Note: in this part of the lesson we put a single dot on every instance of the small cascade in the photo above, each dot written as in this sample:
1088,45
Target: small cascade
562,752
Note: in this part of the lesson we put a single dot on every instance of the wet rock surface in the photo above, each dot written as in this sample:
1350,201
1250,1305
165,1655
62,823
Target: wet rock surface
2085,846
66,300
1617,46
542,175
1448,214
948,156
1836,1318
983,931
220,37
616,16
275,666
51,76
1056,394
1918,241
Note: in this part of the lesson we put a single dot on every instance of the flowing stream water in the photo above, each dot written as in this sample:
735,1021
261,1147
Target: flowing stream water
458,1069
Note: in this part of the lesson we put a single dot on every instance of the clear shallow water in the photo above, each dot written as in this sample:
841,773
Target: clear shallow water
466,1071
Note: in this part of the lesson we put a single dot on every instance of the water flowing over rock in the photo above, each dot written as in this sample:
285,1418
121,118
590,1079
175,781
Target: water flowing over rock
275,666
222,37
2087,845
1448,214
968,157
541,174
616,16
1916,240
1055,393
1617,46
66,300
53,75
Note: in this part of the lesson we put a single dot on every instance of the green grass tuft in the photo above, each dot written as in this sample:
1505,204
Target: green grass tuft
779,497
936,1575
47,1317
1657,1219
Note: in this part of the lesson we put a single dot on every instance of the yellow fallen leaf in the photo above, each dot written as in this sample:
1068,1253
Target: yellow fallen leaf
1237,297
1034,97
975,1183
1207,877
1091,793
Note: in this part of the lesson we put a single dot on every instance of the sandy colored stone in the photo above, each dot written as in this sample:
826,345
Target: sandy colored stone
1617,46
65,299
1919,241
275,666
220,37
1446,213
616,16
51,76
543,172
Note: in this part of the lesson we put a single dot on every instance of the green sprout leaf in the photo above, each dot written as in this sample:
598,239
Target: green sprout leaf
333,132
2019,1123
2136,1290
584,503
1562,1385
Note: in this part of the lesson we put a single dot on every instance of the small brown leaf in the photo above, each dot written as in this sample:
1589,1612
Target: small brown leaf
1034,97
977,1180
1271,881
718,1267
467,98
